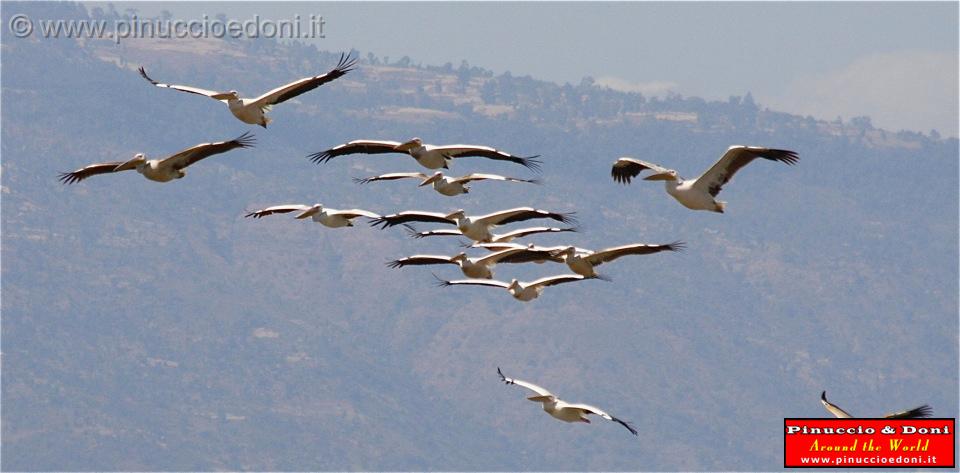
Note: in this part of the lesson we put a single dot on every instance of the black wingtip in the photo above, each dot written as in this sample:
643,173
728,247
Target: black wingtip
394,264
532,163
783,155
143,73
69,178
569,218
678,246
823,396
922,411
346,63
440,282
246,140
627,425
320,157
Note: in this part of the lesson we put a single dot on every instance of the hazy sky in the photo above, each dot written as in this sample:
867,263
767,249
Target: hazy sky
894,62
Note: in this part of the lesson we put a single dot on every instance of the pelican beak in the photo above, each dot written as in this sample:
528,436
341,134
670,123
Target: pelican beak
453,215
132,164
434,178
539,398
661,176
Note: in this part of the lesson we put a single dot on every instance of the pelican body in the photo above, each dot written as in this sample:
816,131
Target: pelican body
521,291
446,185
476,268
915,413
253,111
427,155
325,216
560,409
160,170
477,228
700,193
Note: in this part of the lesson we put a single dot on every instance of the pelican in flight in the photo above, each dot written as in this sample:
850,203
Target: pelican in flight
476,228
253,111
160,170
332,218
521,291
495,237
561,409
699,193
429,156
583,261
446,185
915,413
476,268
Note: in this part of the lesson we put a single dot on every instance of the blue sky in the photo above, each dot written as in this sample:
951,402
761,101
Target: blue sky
896,62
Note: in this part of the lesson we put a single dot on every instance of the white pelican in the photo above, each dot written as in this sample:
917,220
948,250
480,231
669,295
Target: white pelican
473,227
429,156
160,170
332,218
477,268
521,291
583,262
915,413
253,111
446,185
495,237
699,193
561,409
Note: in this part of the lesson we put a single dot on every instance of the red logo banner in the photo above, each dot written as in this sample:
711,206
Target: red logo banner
869,443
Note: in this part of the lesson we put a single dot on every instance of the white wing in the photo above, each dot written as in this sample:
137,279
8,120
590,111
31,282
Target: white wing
462,151
833,409
610,254
391,177
533,387
735,158
595,410
522,232
351,213
473,282
277,209
625,169
286,92
554,280
492,177
520,214
222,96
195,153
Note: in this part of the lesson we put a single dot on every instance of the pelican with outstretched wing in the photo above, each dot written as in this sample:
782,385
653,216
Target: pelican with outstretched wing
429,156
494,237
332,218
477,228
521,291
160,170
253,111
446,185
561,409
476,268
915,413
700,193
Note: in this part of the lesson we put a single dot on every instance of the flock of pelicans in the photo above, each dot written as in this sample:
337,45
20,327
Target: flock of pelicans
696,194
